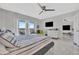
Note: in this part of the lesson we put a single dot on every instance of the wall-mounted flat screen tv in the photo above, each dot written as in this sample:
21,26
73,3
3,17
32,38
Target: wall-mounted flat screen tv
66,27
49,24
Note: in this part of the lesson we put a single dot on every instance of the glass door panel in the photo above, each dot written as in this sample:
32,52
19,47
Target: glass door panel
22,27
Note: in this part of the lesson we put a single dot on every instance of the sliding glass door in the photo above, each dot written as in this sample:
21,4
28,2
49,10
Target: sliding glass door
25,27
31,27
22,27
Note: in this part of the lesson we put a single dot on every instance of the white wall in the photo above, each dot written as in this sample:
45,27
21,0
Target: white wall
9,20
58,21
76,29
72,19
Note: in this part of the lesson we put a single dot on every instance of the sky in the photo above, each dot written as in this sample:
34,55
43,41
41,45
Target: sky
22,24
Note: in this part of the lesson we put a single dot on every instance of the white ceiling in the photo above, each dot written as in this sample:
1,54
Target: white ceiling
32,9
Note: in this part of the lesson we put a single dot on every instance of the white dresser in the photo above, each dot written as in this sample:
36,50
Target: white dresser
53,33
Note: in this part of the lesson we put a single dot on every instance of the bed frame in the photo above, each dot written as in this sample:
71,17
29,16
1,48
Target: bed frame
37,48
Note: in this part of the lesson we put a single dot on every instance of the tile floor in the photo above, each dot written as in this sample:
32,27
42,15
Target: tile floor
64,46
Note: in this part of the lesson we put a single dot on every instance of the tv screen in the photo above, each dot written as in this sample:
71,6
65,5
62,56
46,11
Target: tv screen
49,24
66,27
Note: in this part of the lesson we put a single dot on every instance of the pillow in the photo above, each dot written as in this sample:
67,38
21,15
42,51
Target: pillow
6,43
8,36
6,39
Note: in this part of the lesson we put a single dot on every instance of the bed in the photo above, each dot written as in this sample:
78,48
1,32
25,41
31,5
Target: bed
24,40
23,44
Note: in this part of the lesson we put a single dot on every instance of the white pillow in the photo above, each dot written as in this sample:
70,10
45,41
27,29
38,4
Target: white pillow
6,39
8,36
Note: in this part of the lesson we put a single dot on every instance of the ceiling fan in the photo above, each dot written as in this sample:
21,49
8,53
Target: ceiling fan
44,9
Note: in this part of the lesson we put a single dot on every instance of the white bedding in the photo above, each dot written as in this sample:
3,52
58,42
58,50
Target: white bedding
22,40
25,40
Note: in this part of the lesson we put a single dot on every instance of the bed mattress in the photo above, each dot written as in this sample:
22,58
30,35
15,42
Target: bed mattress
25,40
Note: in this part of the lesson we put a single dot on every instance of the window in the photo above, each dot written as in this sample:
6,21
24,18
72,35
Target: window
22,27
31,27
26,27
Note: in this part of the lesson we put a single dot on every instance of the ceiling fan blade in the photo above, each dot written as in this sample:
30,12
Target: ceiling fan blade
40,12
40,6
49,9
